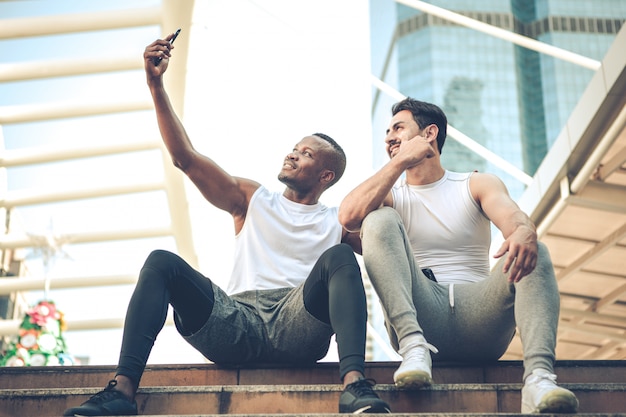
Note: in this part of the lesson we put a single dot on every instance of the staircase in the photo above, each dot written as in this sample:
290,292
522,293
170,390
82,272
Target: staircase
208,389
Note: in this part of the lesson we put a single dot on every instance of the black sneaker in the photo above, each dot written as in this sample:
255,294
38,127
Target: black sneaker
359,397
108,402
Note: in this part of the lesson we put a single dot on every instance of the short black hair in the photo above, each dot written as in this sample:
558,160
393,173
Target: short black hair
425,114
336,160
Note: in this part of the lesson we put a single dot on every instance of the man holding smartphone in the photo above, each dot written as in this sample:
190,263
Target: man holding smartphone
296,281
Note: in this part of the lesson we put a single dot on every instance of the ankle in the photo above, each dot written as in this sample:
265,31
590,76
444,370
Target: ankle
539,372
411,340
126,386
351,377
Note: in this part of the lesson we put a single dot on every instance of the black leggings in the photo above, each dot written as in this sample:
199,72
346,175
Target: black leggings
333,293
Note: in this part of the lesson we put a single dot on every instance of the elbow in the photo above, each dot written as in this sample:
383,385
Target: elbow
183,161
349,221
179,164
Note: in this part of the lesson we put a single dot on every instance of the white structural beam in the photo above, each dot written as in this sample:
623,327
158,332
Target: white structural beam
34,197
606,141
21,240
179,14
22,71
582,178
601,196
506,35
46,154
78,22
37,112
9,285
593,253
611,165
11,327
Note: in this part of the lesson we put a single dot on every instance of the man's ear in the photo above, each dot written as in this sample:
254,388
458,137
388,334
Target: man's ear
431,132
327,177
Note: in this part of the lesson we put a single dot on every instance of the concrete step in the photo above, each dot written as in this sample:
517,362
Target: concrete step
320,373
208,389
281,399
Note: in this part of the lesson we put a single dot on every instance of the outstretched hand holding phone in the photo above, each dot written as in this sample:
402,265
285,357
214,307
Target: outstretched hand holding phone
157,60
156,55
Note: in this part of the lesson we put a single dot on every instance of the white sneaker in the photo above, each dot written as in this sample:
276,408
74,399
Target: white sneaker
415,369
540,394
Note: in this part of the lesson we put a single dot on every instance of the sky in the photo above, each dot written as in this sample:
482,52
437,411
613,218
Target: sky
265,74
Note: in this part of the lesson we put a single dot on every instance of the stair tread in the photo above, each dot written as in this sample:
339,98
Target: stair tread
308,388
209,390
320,373
430,414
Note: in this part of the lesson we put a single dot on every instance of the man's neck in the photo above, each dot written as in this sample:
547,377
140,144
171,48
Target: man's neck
301,198
424,174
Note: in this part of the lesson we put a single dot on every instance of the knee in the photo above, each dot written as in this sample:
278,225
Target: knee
339,254
160,259
544,262
543,275
379,222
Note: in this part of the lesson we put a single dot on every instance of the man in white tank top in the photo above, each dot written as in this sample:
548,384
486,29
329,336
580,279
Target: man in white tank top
425,245
296,281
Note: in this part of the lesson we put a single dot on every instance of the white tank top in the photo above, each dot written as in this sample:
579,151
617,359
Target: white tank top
448,231
280,241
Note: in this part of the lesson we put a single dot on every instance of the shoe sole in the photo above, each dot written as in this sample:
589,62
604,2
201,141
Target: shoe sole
413,380
369,409
555,404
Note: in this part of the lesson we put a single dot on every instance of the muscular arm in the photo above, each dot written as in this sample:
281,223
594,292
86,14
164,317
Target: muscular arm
368,196
376,190
517,229
224,191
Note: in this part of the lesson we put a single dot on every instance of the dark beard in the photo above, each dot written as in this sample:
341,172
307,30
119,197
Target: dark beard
293,185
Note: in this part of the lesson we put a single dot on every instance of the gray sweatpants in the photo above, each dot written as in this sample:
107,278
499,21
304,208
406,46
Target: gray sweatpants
477,321
261,326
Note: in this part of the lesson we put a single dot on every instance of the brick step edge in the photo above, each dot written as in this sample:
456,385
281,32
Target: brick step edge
329,388
396,415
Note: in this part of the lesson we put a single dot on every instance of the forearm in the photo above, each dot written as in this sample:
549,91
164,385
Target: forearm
517,222
368,196
172,130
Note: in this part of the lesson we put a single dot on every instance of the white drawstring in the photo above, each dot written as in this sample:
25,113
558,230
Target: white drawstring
451,294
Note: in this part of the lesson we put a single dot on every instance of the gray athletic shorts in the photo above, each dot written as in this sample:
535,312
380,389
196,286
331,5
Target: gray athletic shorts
263,326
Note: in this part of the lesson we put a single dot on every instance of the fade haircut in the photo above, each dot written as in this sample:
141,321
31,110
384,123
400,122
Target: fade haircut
335,160
425,114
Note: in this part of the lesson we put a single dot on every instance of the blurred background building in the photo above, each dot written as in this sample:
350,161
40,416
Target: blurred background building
88,190
508,98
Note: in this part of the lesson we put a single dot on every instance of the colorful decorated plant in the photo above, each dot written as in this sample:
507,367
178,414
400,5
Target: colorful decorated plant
40,341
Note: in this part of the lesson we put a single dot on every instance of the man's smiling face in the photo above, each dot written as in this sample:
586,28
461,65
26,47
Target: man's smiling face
401,127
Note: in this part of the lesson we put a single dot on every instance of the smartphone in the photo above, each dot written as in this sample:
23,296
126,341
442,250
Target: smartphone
157,60
175,36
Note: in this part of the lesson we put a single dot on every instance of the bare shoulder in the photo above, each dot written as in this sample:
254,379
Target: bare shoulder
248,186
242,194
482,184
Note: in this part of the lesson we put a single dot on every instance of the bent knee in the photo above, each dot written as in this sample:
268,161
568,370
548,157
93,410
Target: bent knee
159,259
340,253
379,222
544,261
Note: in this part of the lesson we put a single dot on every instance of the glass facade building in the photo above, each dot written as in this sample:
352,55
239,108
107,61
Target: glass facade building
512,100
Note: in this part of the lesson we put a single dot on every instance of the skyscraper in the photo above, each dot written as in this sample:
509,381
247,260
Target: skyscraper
512,100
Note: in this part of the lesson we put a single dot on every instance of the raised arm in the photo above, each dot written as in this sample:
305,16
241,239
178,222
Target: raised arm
406,152
224,191
517,229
